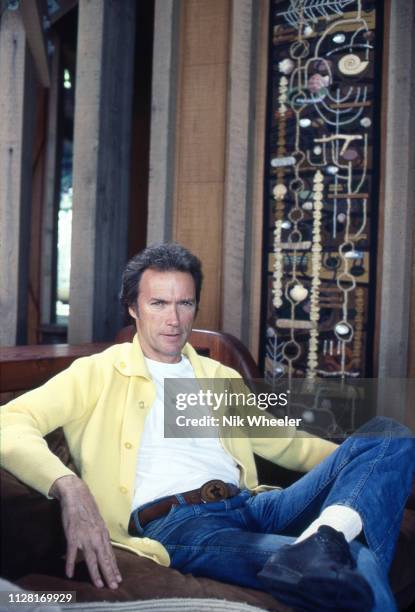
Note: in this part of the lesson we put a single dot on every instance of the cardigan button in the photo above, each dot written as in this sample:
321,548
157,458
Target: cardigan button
124,490
122,365
141,405
128,445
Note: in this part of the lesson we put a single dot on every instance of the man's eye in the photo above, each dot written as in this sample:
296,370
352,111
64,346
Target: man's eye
188,303
157,303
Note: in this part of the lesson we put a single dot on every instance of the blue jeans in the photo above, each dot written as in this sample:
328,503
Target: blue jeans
231,540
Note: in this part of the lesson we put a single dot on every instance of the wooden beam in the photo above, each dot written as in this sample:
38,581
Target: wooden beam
411,360
243,217
411,351
253,322
16,130
101,167
397,204
163,116
51,192
240,164
38,173
382,179
32,18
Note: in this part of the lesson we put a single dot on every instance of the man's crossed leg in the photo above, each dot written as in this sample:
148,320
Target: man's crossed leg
235,540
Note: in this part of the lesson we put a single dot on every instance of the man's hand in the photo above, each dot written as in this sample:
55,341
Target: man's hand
85,530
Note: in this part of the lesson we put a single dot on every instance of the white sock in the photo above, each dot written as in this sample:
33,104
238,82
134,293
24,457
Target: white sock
341,518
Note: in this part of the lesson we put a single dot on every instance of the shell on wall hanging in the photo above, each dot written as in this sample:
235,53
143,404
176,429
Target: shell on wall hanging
351,64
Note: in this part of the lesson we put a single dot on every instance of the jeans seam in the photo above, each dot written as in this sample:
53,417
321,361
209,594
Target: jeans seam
351,501
242,517
392,525
367,530
365,476
221,548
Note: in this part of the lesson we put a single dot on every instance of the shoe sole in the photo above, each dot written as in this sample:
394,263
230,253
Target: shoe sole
348,592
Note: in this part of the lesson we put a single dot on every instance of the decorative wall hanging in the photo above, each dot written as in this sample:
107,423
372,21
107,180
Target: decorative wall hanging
322,193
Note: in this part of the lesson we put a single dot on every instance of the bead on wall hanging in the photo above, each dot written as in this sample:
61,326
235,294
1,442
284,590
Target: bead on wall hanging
322,191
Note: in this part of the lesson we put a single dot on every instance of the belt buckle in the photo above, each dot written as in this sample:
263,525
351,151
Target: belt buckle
214,490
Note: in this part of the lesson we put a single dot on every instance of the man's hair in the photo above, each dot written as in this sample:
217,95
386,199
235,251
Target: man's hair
164,258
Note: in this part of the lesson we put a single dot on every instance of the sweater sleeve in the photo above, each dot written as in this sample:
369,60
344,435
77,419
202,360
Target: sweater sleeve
68,396
293,449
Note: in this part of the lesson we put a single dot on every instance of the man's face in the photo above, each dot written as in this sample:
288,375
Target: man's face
164,313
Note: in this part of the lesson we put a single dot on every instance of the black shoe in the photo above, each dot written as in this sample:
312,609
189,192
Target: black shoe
317,574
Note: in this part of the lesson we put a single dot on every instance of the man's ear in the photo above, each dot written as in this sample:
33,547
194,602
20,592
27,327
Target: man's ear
133,312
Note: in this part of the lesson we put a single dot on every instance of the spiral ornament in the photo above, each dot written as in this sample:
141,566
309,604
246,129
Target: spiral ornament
351,64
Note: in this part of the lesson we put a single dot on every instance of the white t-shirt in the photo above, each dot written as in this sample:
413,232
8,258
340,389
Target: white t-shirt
166,466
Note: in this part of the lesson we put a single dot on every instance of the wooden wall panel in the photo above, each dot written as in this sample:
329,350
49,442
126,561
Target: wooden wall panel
203,111
206,32
199,232
201,141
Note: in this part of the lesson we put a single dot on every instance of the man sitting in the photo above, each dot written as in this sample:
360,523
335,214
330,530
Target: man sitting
195,502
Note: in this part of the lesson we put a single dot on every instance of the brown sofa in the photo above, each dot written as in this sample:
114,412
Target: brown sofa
32,539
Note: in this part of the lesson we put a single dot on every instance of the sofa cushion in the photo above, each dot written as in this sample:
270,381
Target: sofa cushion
145,579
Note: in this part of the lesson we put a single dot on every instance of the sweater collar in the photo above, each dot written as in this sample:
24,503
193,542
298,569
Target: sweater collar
131,361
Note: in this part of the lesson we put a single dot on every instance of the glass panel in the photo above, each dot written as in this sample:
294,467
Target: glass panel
64,221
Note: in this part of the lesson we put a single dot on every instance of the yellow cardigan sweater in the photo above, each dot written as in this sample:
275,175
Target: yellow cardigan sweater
101,402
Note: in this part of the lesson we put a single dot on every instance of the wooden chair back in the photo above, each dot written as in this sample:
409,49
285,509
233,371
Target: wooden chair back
26,367
217,345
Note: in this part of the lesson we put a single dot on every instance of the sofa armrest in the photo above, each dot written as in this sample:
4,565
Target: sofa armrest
31,530
32,536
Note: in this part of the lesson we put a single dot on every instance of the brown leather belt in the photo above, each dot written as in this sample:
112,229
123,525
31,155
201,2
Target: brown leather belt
211,491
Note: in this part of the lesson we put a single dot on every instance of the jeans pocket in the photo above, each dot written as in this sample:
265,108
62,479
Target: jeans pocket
154,528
